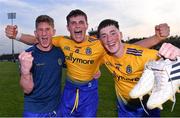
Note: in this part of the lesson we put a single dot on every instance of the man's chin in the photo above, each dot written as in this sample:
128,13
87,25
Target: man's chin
79,40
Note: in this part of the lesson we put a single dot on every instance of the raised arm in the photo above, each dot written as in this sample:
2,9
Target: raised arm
12,33
162,31
26,81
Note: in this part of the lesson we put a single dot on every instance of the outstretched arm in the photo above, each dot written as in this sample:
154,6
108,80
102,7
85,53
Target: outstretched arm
12,33
162,31
26,81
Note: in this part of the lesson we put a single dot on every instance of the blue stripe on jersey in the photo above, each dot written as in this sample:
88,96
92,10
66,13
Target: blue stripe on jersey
134,52
47,71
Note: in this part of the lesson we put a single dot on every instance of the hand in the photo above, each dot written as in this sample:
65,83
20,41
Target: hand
169,51
162,31
97,75
11,31
26,60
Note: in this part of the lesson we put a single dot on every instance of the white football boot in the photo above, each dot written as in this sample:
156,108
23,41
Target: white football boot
144,85
167,82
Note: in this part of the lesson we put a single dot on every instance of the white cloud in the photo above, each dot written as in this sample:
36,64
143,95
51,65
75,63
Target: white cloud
137,18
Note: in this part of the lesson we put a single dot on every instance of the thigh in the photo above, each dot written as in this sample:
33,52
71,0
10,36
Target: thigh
153,113
125,111
67,102
88,103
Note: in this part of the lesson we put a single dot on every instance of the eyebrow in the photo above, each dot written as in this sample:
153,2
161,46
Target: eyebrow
112,31
103,34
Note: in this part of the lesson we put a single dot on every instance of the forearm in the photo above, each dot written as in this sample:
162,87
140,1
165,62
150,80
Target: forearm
26,82
28,39
149,42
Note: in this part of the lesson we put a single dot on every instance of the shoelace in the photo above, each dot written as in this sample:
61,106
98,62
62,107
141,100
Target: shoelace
140,99
174,97
159,84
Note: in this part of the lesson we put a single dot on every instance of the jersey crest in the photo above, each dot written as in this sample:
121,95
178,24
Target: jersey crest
59,61
128,69
88,51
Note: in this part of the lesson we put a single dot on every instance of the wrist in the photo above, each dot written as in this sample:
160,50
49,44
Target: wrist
25,73
157,38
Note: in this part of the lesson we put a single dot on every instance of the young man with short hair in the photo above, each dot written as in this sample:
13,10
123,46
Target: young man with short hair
126,62
41,71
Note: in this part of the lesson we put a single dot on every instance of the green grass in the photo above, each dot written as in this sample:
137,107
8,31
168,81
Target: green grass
11,96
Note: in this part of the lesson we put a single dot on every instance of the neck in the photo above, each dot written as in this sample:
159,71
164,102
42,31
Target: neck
44,48
120,51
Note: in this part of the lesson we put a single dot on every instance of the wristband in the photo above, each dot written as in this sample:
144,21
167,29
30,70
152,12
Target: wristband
18,36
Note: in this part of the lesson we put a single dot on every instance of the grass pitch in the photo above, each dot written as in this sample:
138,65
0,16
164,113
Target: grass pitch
11,95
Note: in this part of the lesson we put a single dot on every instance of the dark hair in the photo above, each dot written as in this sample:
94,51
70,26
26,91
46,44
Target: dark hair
105,23
74,13
44,18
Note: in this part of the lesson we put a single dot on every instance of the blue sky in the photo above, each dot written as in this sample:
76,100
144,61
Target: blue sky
137,18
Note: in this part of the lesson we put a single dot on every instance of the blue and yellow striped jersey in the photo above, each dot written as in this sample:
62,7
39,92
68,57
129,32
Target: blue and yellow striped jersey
82,59
128,69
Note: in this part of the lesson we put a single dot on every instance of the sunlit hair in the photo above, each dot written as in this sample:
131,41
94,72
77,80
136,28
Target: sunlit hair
75,13
105,23
45,18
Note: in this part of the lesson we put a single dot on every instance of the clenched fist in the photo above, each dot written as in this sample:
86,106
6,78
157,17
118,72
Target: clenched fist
26,61
11,31
169,51
162,31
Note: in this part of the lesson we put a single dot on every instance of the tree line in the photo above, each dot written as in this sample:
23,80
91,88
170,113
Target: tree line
175,40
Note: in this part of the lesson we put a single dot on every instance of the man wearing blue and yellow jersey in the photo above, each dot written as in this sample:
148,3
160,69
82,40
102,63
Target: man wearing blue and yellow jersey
126,62
83,57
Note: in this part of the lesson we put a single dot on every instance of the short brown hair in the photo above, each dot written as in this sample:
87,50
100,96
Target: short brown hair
74,13
44,18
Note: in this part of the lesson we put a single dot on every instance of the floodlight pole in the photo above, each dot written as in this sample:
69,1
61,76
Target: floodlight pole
12,16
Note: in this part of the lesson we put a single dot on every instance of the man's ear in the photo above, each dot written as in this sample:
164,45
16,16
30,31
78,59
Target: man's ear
54,32
121,35
87,26
35,33
67,28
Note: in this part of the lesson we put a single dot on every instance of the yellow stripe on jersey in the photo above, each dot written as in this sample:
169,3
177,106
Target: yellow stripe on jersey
82,59
128,69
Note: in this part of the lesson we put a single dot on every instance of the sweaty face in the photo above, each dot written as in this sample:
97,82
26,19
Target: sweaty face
111,39
44,33
77,27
